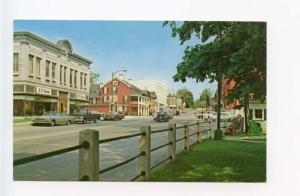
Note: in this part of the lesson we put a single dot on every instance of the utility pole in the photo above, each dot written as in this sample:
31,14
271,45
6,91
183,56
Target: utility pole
218,132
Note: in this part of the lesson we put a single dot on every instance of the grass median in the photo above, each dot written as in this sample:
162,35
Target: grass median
216,161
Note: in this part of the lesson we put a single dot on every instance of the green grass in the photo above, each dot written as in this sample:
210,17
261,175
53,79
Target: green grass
21,120
216,161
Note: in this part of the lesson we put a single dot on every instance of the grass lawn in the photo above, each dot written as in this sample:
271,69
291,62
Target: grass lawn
21,120
216,161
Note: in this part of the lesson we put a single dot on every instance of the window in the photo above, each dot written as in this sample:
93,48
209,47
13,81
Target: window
115,83
265,114
47,68
30,64
258,113
53,70
38,66
81,79
105,90
60,73
114,90
71,76
125,99
65,75
16,62
84,81
75,78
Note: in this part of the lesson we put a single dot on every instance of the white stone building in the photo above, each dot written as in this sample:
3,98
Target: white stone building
47,76
157,86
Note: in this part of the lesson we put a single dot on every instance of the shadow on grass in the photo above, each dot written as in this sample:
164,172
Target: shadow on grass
217,161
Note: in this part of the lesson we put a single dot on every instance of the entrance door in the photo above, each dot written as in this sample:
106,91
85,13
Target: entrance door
62,102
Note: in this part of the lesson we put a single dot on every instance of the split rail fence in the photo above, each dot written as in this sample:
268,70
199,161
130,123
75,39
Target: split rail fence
89,150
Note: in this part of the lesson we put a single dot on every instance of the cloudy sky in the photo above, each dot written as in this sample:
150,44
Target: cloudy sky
145,49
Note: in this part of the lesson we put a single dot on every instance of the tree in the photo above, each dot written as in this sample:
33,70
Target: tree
94,77
227,50
205,97
186,97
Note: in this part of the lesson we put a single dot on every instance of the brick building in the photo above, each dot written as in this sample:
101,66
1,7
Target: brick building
226,87
119,95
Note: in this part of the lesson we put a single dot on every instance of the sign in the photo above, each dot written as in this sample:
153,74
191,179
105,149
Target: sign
43,91
80,96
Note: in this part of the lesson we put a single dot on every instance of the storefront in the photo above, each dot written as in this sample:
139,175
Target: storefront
28,105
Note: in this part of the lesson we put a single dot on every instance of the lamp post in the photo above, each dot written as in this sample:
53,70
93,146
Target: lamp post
112,78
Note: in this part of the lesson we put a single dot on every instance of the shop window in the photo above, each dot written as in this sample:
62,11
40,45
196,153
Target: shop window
258,114
16,62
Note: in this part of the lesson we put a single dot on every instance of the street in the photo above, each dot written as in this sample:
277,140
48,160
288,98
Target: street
32,140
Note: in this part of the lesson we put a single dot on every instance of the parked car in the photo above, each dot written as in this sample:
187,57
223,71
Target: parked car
113,116
162,116
84,115
53,118
224,116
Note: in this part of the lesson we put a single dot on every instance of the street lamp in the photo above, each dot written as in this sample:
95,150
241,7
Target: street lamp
112,78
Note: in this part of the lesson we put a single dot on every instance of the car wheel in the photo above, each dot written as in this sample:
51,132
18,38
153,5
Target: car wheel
68,122
52,123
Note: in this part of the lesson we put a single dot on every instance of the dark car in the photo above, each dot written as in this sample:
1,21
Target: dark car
113,116
162,116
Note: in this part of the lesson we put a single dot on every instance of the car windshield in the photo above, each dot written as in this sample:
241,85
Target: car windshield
51,113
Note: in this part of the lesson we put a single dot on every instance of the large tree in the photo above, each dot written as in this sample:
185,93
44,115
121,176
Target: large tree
227,50
186,96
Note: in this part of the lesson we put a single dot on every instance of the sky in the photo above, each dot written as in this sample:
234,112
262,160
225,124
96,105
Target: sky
145,49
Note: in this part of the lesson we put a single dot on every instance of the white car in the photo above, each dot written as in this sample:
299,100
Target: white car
225,116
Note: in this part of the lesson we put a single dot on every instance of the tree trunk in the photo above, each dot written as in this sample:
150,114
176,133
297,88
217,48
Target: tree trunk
218,132
246,106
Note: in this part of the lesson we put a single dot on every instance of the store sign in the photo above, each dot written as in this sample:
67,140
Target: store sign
80,96
43,91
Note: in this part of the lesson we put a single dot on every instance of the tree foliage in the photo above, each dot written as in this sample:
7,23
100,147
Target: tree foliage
227,50
94,78
186,96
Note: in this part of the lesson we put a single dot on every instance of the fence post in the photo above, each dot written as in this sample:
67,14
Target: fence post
186,137
210,130
172,140
144,148
89,155
198,132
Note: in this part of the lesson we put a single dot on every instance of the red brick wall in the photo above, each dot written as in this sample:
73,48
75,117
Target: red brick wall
226,86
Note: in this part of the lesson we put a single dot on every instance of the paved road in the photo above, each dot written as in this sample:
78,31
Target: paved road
32,140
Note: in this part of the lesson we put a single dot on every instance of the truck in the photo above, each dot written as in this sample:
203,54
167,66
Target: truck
84,115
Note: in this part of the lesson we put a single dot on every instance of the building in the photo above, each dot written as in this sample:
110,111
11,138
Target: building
119,95
174,102
47,76
157,86
226,87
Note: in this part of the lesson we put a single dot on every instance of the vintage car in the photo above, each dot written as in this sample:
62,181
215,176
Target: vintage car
83,115
162,116
53,118
113,116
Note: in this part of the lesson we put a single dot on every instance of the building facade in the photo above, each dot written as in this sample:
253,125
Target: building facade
226,87
47,76
174,101
157,86
119,95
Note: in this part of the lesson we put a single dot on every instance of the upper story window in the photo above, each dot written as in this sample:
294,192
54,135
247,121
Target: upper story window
71,77
16,62
75,78
30,64
84,81
125,99
38,66
105,90
53,70
65,75
114,90
115,83
47,68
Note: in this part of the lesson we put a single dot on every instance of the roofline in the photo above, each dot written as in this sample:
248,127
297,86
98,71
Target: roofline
49,44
